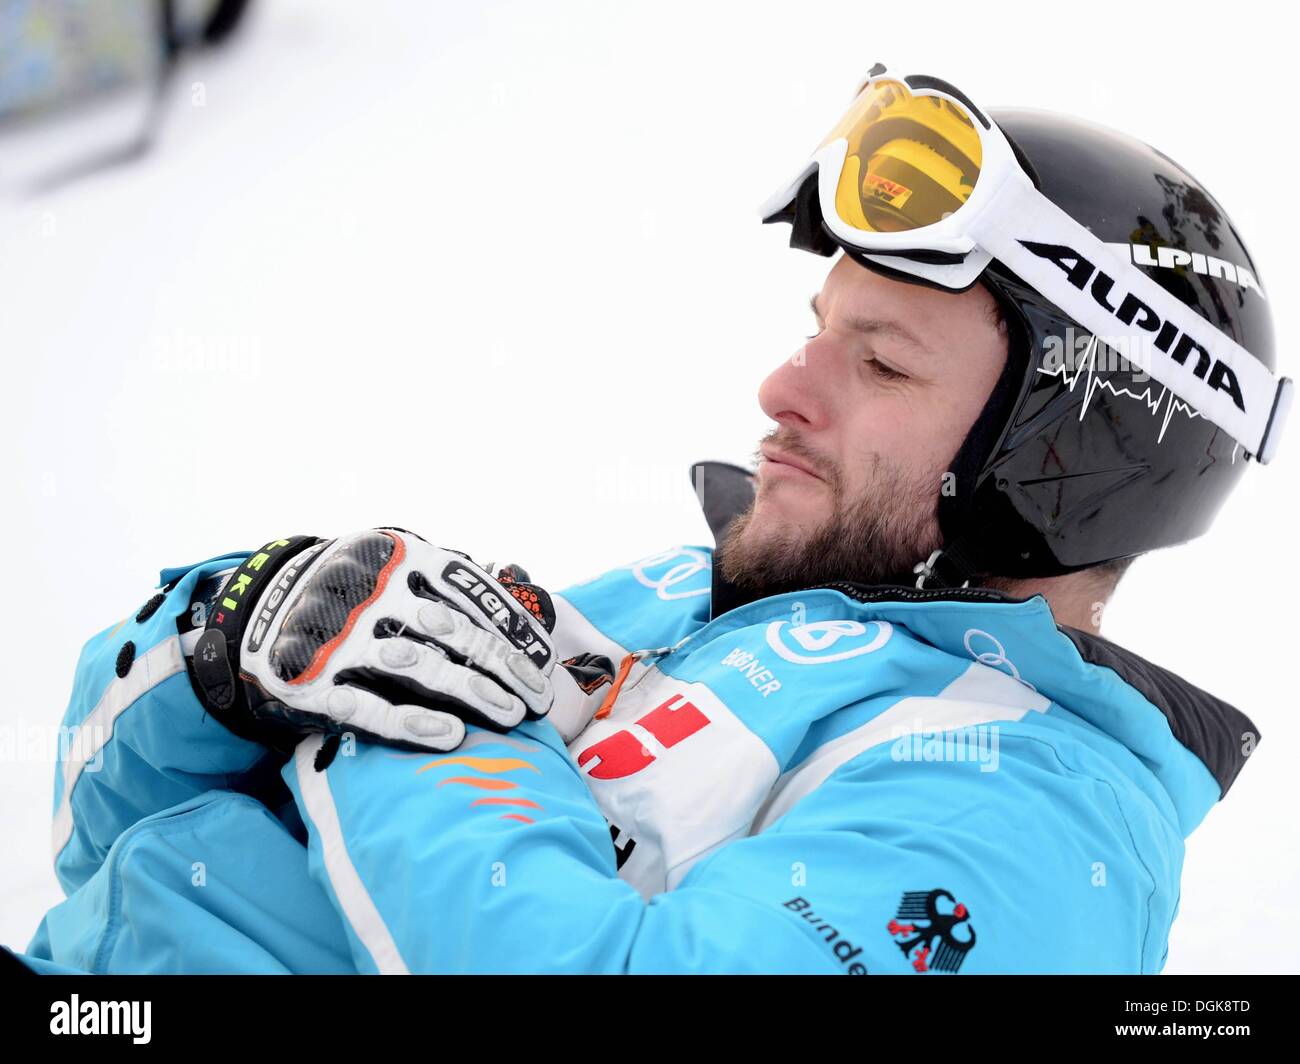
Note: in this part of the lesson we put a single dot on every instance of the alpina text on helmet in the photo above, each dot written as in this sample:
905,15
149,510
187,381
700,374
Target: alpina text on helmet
1129,310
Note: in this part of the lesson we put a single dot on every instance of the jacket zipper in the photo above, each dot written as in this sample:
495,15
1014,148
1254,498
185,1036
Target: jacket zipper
862,593
857,592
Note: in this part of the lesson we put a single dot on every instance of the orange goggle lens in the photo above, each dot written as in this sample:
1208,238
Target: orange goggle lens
911,162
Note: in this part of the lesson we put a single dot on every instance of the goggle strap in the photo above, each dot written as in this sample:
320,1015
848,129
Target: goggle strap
1214,375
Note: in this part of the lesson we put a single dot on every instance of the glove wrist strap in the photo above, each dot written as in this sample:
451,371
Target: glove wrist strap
216,654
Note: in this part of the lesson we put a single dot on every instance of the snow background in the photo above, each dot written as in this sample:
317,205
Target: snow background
493,271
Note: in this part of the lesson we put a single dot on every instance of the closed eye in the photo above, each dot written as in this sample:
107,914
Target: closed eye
880,369
884,372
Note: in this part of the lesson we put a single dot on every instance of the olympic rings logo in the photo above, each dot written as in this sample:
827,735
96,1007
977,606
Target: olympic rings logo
994,658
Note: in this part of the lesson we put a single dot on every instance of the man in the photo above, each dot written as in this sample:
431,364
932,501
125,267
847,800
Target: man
875,732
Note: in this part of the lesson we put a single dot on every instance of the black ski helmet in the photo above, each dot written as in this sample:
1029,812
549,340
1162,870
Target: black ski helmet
1076,459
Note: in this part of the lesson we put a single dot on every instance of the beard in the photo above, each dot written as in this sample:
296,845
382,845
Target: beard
875,537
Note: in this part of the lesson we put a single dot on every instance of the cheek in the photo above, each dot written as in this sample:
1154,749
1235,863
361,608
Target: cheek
912,439
928,433
876,430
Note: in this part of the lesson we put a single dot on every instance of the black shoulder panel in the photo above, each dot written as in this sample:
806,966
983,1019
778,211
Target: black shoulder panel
1210,728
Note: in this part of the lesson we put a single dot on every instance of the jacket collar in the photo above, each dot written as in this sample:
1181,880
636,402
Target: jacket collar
1211,729
724,492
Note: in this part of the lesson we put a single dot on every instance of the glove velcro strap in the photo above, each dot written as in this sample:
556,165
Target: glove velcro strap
216,654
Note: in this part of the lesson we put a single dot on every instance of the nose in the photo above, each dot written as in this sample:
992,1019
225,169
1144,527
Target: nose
799,393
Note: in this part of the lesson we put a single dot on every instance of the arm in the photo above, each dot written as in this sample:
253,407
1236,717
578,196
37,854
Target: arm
497,859
135,739
245,654
215,884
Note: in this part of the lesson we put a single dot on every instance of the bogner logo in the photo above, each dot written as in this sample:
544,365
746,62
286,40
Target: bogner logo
514,625
1130,310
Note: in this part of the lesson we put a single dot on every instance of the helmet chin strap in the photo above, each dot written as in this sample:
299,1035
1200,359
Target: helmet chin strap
948,567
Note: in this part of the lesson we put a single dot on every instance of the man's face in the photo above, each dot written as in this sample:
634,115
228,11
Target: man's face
869,415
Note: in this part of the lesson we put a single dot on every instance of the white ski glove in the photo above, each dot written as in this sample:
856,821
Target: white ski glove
378,634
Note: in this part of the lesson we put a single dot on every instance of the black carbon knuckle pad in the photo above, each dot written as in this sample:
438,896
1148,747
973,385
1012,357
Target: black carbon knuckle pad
332,593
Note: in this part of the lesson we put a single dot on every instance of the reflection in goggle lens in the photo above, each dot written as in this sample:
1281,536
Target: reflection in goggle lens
912,160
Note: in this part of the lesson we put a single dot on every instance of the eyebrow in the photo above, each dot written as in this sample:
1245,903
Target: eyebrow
875,326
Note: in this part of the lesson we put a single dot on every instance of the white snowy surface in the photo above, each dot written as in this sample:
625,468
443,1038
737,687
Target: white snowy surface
493,271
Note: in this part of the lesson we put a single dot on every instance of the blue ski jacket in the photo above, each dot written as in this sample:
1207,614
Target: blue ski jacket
840,780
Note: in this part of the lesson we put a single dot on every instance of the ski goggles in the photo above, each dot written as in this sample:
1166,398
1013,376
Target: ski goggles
919,180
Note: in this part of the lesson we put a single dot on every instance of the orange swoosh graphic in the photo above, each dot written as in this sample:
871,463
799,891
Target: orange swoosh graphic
505,801
475,781
518,816
483,764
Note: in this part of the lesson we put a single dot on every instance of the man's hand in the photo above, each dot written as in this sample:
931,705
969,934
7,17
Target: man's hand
379,634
